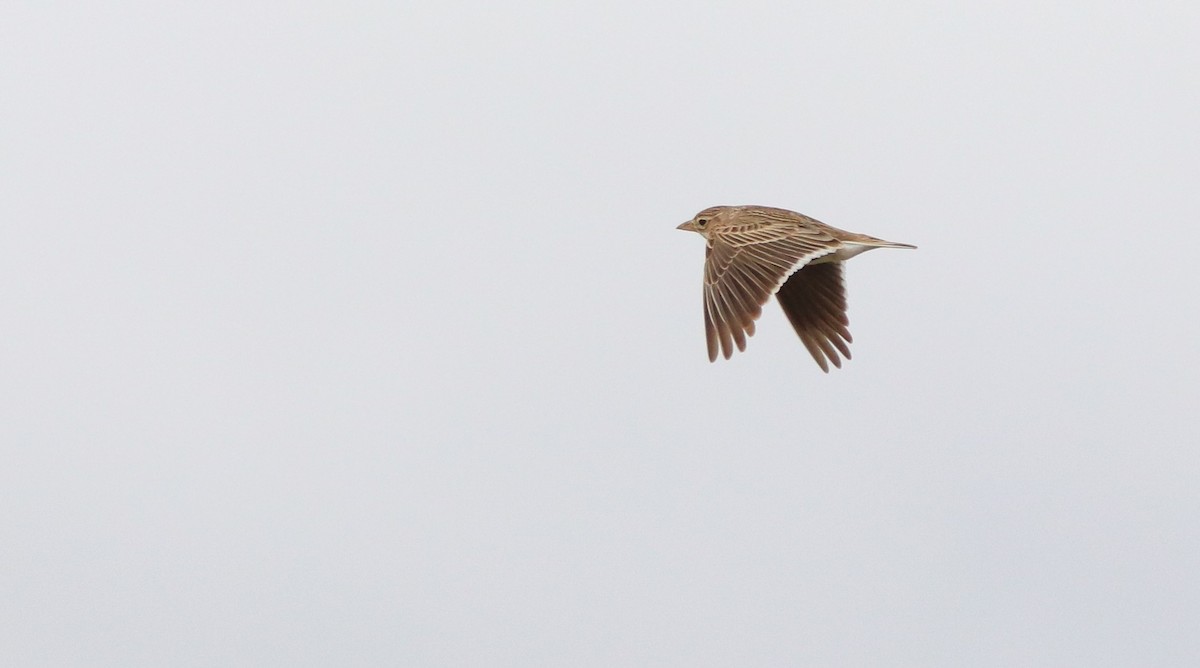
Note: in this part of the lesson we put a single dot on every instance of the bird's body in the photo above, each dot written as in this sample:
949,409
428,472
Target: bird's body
756,251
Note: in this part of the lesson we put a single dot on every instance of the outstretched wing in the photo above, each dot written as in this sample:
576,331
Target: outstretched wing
814,299
745,264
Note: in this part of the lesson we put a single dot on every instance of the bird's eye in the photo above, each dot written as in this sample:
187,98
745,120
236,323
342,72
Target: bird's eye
701,222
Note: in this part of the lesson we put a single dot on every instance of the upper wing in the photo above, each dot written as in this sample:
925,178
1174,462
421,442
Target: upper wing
745,264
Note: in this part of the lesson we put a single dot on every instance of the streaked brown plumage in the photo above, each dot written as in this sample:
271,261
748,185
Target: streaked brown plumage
756,251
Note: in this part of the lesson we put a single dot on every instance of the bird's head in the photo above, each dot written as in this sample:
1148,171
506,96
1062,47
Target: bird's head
703,221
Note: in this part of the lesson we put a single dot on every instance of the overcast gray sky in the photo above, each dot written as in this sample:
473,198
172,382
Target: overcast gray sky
360,333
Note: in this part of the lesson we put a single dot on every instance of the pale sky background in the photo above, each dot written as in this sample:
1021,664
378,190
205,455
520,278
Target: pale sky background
360,333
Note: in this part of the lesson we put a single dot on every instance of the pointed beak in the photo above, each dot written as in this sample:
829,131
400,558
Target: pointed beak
687,227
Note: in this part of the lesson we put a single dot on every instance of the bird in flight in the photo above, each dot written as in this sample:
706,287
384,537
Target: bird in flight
756,251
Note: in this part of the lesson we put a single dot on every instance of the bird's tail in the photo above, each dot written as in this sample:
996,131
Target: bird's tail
879,243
